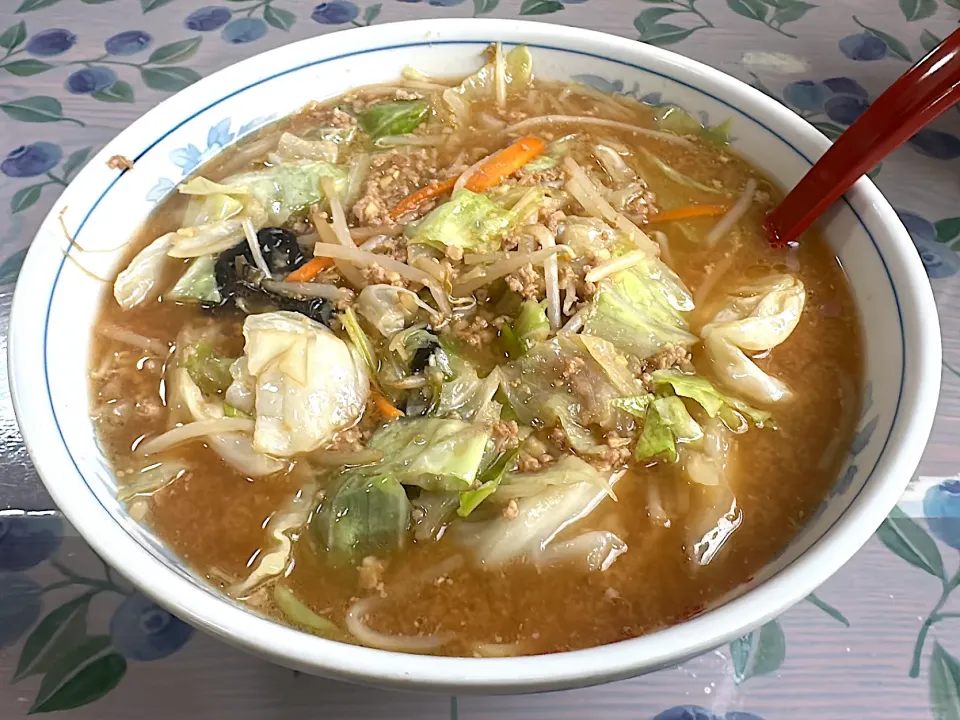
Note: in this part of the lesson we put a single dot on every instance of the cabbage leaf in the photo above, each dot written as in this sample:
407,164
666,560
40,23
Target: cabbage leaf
538,520
666,423
488,481
197,284
361,514
310,384
713,401
756,319
139,281
531,325
280,190
394,117
479,87
641,309
468,221
435,454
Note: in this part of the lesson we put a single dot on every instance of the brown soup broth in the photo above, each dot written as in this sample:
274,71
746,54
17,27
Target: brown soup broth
214,517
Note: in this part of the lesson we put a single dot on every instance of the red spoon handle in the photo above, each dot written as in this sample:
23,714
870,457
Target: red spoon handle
922,93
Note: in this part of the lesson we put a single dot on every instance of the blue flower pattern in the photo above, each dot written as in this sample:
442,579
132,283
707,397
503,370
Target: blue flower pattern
695,712
941,507
142,630
20,604
26,541
190,157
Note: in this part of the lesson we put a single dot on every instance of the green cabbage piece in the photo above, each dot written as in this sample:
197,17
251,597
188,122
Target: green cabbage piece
436,454
636,405
677,176
666,423
551,156
541,390
198,283
462,390
297,612
280,190
480,87
713,401
613,363
398,117
360,340
489,481
568,470
211,208
468,221
364,512
641,309
207,369
531,325
541,163
678,121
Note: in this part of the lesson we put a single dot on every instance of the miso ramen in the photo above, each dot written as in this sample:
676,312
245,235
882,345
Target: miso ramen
489,367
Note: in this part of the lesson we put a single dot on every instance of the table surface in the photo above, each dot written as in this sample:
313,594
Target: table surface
880,639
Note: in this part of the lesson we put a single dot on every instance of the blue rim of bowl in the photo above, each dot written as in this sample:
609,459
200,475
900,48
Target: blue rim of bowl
205,587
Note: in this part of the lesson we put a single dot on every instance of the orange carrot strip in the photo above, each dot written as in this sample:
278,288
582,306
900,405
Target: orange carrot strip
504,163
309,270
385,407
425,193
686,213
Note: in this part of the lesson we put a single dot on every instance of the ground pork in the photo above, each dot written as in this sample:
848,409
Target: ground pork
574,286
393,176
370,573
376,275
552,177
477,332
642,205
324,116
552,220
511,510
528,462
504,435
611,458
527,282
349,440
670,356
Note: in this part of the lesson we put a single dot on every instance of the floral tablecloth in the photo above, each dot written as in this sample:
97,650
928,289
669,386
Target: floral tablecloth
879,640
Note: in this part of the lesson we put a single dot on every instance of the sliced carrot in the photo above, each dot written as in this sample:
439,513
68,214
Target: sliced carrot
425,193
504,163
687,213
309,270
385,407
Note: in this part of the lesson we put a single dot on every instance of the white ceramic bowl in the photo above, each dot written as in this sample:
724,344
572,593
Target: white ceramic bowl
55,306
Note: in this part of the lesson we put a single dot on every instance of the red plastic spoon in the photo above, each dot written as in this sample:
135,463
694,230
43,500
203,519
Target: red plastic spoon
915,99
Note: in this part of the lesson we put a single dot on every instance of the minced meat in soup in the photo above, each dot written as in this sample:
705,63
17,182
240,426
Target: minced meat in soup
484,368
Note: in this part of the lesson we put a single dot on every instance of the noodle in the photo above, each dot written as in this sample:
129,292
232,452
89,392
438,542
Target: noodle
616,265
533,122
484,275
550,274
359,257
739,209
254,244
128,337
194,430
